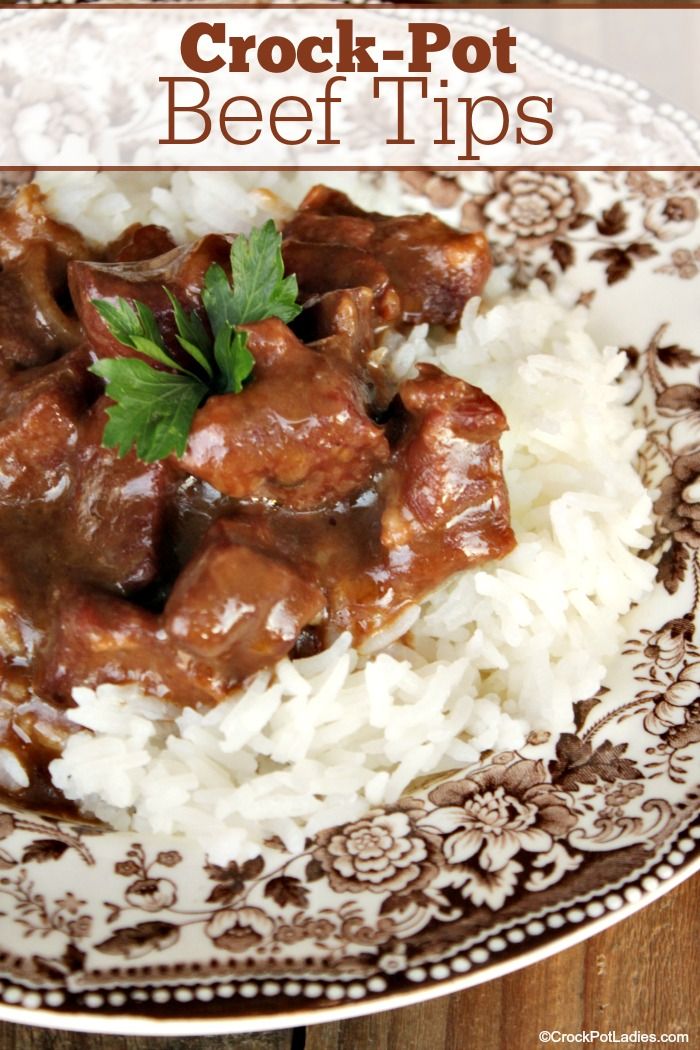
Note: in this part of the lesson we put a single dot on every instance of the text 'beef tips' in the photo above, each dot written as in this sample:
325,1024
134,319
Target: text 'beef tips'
311,495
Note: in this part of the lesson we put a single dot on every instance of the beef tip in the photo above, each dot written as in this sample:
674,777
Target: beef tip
343,318
34,729
416,265
14,635
328,216
433,268
24,220
181,270
445,488
39,418
95,638
340,325
139,242
327,267
34,733
442,507
274,346
34,328
237,608
114,522
297,434
35,323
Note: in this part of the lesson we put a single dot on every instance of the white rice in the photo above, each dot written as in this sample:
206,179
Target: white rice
491,656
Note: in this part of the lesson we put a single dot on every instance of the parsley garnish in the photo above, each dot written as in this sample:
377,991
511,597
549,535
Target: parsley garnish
153,409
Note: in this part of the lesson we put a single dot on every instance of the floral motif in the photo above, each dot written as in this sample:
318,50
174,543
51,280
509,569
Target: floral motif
236,929
684,263
490,817
151,894
497,812
678,706
667,646
533,207
380,853
645,184
671,217
678,504
622,794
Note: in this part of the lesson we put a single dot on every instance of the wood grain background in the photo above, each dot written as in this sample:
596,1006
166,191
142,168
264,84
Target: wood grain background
639,975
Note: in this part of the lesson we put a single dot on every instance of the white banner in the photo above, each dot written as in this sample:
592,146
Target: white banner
330,86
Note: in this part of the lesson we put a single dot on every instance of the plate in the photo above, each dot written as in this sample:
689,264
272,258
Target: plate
110,932
131,934
102,931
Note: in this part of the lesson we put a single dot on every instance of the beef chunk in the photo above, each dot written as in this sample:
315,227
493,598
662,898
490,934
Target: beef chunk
23,219
233,610
325,267
440,506
39,428
14,641
237,608
181,270
297,434
274,346
434,269
339,323
96,638
445,487
35,325
417,267
114,521
139,242
33,729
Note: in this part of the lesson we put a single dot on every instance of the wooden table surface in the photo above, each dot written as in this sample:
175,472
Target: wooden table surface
638,976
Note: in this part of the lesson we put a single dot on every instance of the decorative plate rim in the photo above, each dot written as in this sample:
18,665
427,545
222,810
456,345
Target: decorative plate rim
133,1024
504,941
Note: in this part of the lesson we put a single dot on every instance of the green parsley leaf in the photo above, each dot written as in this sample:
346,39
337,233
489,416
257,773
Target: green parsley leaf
153,411
191,334
135,327
122,320
148,324
218,299
234,359
260,288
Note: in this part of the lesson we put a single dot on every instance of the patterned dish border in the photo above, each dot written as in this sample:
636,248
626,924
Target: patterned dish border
486,869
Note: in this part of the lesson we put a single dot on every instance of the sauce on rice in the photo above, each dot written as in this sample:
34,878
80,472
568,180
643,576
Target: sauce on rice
321,498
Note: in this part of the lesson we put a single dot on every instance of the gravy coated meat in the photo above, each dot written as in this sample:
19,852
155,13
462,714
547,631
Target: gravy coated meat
322,497
34,255
445,486
116,517
40,411
418,268
94,637
144,280
238,608
298,435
